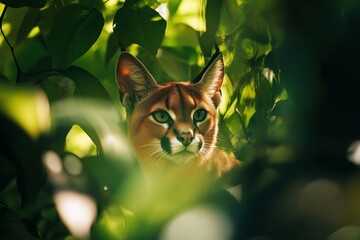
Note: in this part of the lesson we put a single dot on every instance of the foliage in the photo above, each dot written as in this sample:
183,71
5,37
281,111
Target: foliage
288,113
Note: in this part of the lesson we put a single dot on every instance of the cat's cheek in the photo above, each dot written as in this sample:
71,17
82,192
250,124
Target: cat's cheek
157,130
205,127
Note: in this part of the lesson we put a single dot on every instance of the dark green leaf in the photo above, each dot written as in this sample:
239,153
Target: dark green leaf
137,23
111,48
24,3
25,154
7,170
29,22
29,53
13,227
75,29
87,85
58,86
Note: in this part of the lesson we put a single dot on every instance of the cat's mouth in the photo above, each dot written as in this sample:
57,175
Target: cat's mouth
182,157
179,153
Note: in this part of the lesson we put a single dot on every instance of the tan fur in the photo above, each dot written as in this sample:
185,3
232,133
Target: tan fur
156,144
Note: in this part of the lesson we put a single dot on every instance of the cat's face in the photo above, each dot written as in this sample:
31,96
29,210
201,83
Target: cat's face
172,122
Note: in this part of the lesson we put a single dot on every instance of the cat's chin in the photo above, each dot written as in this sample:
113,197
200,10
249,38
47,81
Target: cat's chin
181,158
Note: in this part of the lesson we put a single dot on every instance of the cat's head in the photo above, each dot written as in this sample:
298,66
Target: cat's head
172,122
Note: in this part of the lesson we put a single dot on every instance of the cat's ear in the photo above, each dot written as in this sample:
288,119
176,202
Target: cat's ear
132,76
212,78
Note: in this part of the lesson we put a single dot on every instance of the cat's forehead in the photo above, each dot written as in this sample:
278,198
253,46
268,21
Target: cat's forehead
181,96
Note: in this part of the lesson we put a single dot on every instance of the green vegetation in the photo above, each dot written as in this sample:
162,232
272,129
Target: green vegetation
289,113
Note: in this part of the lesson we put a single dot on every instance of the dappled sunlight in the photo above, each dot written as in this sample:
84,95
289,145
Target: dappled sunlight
200,223
188,13
354,152
52,162
287,113
34,32
73,165
163,10
77,211
79,143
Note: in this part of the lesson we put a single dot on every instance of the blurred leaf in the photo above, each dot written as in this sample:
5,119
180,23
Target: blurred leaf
13,227
3,79
152,3
28,108
97,118
7,170
137,23
246,152
75,29
87,85
173,6
30,175
24,3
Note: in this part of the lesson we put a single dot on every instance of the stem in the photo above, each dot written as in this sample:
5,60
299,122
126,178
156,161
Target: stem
19,72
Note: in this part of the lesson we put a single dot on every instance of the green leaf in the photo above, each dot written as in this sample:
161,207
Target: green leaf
177,64
111,48
137,23
75,29
24,3
212,15
13,226
87,85
173,6
24,152
28,23
58,86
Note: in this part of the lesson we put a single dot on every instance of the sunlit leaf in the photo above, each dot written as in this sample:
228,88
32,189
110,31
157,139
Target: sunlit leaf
75,29
28,108
137,23
173,6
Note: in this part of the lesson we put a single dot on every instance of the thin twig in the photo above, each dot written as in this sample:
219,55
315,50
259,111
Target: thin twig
9,44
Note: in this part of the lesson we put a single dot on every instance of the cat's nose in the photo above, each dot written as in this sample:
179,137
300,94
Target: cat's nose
185,138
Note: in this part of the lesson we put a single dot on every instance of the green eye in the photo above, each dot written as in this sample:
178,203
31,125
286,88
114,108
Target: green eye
199,115
161,116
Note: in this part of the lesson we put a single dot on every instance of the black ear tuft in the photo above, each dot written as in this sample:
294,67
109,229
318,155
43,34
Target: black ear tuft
213,57
212,78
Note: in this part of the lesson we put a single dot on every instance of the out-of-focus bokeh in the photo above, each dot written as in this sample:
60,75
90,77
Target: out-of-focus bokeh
289,112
